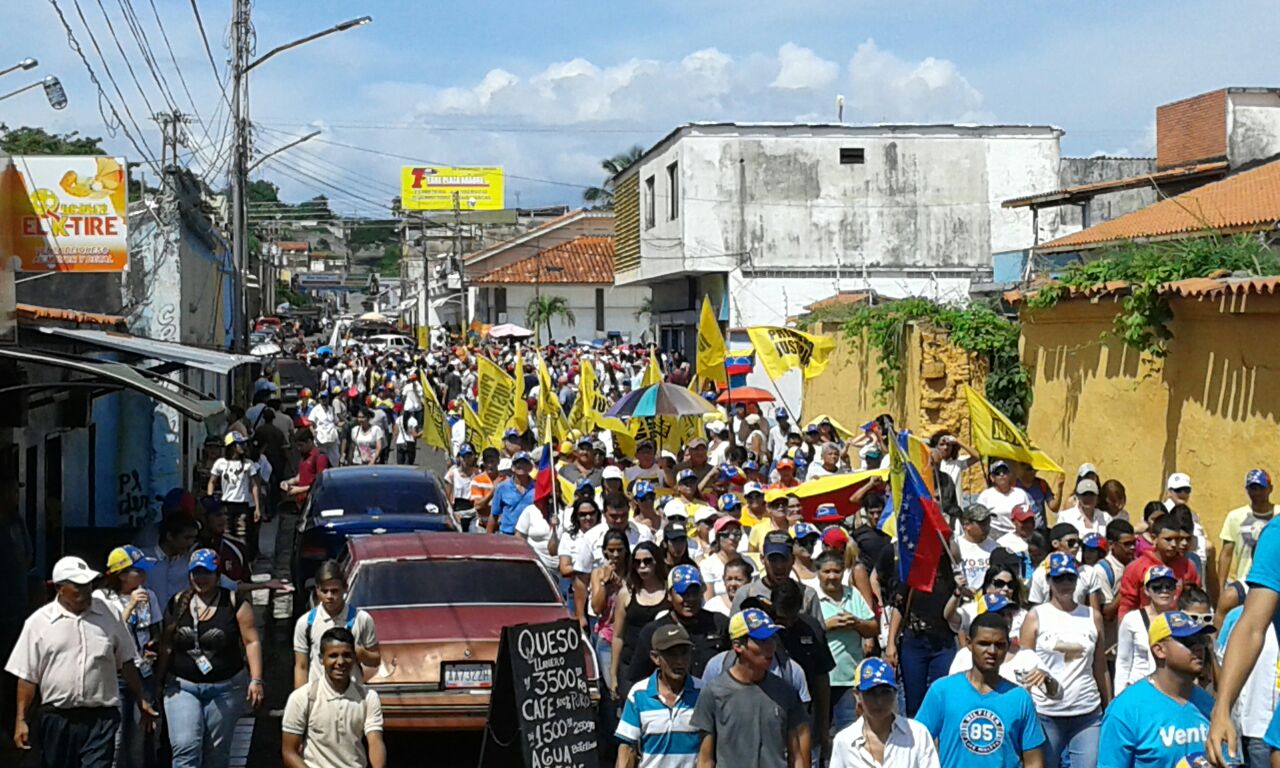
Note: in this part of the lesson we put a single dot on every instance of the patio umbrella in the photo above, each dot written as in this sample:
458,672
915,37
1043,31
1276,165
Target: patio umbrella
374,317
744,395
660,400
509,330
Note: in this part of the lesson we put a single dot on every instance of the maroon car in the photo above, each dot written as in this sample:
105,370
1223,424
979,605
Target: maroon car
439,602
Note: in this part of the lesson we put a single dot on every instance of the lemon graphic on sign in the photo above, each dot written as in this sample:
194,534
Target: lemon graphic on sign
44,202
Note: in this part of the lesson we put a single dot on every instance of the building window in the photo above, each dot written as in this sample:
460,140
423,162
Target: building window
600,310
648,203
852,156
500,301
673,184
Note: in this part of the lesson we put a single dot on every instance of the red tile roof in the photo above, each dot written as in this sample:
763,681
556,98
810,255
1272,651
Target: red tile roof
288,246
33,312
1245,202
1192,130
581,260
842,298
1191,288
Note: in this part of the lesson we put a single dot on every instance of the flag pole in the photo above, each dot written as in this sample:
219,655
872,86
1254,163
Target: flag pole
943,540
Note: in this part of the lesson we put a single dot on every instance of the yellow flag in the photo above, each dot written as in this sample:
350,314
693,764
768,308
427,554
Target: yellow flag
711,349
497,400
550,414
594,404
475,428
652,373
520,416
435,427
781,349
994,436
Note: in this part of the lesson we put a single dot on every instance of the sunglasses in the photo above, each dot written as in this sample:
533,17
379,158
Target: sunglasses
639,561
735,533
1201,619
1001,471
1002,584
1163,586
1071,543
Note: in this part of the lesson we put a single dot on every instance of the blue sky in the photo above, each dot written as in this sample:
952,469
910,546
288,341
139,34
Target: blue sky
547,88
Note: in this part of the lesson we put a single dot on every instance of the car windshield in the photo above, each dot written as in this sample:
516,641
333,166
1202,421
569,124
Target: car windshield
379,496
438,582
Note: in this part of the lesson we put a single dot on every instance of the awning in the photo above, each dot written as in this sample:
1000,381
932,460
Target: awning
119,375
192,357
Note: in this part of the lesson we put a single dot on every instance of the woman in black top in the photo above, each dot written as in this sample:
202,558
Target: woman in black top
921,643
639,602
208,636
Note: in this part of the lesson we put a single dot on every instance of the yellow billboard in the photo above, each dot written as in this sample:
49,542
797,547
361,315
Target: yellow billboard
67,214
433,188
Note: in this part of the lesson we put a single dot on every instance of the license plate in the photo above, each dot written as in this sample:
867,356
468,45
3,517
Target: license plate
468,676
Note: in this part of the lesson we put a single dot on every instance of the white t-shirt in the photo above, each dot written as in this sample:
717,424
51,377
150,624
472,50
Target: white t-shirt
236,479
967,612
1001,506
1074,516
325,423
405,429
636,472
975,558
953,468
817,470
366,444
712,568
535,528
412,393
1133,652
1025,660
590,555
321,622
1065,643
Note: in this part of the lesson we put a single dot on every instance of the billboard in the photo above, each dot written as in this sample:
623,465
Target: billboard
432,188
68,214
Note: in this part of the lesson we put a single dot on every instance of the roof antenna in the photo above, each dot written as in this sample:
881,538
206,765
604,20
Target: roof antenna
839,108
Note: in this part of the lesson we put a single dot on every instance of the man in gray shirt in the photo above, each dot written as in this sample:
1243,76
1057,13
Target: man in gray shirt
779,558
749,718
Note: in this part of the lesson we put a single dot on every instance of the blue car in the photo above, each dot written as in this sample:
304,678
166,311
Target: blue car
347,502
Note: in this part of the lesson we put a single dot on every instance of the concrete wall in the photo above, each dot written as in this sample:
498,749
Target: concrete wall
1253,126
620,305
1210,409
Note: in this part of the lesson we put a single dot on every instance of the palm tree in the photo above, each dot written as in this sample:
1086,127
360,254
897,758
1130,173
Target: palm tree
543,309
602,196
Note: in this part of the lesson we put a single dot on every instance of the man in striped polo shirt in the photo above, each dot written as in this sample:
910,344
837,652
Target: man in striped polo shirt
656,729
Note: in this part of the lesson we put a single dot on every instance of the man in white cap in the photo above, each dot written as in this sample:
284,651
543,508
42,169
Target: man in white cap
1178,491
71,651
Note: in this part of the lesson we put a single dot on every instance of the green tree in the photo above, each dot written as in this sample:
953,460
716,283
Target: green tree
263,191
38,141
543,309
602,196
389,264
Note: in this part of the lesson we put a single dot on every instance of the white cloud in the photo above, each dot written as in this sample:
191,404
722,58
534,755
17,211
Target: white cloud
887,88
802,68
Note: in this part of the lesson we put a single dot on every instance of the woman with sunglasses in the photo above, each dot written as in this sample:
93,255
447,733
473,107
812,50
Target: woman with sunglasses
1067,637
585,516
737,574
1133,653
1002,497
641,599
1002,580
727,533
606,583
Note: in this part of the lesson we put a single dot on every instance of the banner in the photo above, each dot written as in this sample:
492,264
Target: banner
781,349
550,414
435,426
68,214
432,188
594,403
994,436
497,400
833,489
711,348
475,428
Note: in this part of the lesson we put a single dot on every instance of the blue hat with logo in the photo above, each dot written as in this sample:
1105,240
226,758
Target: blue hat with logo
827,513
1175,624
466,450
753,623
781,413
812,429
1062,564
750,465
1257,477
873,673
686,474
643,489
203,558
729,501
511,434
682,577
803,530
1157,572
582,484
1094,541
522,456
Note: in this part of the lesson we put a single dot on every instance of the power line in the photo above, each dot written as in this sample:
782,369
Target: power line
219,79
148,54
111,29
288,169
174,59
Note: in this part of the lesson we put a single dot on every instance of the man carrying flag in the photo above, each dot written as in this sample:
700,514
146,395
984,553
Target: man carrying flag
921,642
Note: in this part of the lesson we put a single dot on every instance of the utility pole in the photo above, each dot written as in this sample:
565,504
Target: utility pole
426,278
171,131
462,268
240,163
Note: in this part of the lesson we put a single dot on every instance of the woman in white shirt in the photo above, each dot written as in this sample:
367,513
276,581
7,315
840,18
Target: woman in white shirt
234,475
1133,653
1085,515
728,535
537,529
367,440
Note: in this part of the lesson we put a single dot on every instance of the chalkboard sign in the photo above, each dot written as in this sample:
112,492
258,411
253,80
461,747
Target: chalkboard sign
541,705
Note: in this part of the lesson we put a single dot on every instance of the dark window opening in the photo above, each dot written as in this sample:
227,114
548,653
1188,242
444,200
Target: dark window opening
852,156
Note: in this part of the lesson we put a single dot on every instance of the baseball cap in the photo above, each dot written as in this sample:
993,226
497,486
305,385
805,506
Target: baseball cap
74,570
750,465
1257,477
753,623
1085,469
827,512
873,673
990,604
1062,564
724,521
1178,480
674,531
1175,624
613,472
705,514
511,434
683,577
504,464
566,448
584,440
686,474
646,445
203,558
717,427
804,530
1193,760
466,450
776,543
752,487
785,463
731,473
834,537
1086,485
521,456
668,636
126,557
730,501
178,500
642,489
812,429
975,513
1157,572
234,437
674,508
1022,512
999,464
780,413
697,442
1094,541
582,484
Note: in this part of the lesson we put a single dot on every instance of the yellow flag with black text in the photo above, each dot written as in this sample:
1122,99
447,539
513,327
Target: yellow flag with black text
435,426
475,429
652,372
711,348
550,414
520,415
781,349
497,400
995,436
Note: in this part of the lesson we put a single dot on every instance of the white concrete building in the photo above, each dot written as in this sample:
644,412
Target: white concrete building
782,215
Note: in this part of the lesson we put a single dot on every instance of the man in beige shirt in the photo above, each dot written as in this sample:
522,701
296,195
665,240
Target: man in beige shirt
71,651
327,721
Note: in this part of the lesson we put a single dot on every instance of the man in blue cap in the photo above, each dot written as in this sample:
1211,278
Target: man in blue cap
583,466
1243,526
747,716
778,558
778,433
510,497
708,631
881,736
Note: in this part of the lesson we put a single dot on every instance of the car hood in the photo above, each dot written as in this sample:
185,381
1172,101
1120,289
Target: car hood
357,524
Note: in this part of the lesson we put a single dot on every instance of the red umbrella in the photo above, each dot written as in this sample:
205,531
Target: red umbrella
744,395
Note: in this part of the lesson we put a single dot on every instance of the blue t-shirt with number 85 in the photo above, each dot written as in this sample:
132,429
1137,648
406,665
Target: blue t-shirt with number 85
974,729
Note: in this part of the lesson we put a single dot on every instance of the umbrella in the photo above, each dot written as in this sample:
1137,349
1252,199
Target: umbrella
374,317
509,330
660,400
744,395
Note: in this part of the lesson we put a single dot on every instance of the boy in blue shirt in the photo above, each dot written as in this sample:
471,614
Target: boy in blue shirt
1164,718
979,719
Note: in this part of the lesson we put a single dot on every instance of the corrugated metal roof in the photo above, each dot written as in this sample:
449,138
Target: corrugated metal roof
192,357
581,260
1247,201
33,312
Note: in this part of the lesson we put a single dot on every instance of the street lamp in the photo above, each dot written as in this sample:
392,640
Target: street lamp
343,27
24,64
52,91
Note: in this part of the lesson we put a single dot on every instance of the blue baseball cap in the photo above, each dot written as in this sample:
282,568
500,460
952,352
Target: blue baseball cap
873,673
827,513
203,558
686,474
991,604
1062,564
522,456
643,489
812,429
683,577
777,543
709,396
750,465
753,623
466,450
1257,477
126,557
803,530
781,413
1157,572
729,501
583,482
511,434
1094,541
1175,624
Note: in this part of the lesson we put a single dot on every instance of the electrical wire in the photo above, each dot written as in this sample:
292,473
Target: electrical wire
174,59
111,30
219,79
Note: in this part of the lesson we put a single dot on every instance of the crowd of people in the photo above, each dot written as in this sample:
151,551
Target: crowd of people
732,626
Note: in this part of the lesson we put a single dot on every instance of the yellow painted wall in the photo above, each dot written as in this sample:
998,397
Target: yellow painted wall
1210,409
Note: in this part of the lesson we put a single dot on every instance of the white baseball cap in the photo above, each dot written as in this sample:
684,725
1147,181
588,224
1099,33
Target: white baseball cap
1178,480
705,514
504,465
74,570
612,472
674,508
1085,469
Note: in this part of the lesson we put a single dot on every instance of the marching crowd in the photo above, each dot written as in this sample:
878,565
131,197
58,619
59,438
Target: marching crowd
732,626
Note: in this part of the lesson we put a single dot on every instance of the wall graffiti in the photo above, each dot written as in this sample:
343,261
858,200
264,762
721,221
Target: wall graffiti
131,500
168,319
